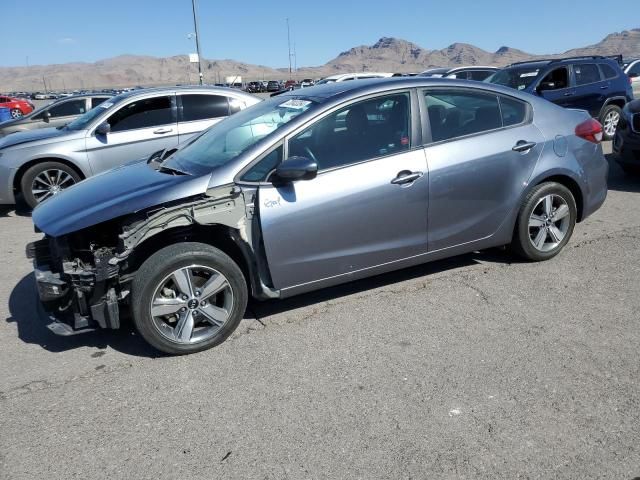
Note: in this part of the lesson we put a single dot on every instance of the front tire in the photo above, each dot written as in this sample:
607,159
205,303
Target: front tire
609,119
44,180
545,222
16,113
188,297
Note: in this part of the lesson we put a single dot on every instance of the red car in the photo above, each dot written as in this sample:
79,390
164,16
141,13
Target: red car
17,106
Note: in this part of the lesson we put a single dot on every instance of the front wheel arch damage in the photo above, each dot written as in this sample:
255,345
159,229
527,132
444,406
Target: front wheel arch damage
219,236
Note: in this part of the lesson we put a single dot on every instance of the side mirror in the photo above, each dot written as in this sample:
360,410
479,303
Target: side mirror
296,168
103,128
46,115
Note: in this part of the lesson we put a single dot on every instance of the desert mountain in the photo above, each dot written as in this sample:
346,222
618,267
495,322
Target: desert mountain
386,55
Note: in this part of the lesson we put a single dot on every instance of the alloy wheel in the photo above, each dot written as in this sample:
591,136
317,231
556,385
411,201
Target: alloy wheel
191,304
49,183
610,123
16,113
549,222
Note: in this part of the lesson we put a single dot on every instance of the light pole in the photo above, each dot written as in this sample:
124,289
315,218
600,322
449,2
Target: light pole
289,45
195,25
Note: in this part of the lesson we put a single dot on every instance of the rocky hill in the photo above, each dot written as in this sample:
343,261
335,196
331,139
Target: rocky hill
386,55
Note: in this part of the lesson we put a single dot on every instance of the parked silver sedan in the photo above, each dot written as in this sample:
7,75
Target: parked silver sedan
310,189
56,114
124,129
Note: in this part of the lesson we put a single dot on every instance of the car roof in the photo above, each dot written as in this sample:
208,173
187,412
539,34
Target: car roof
182,88
326,91
562,61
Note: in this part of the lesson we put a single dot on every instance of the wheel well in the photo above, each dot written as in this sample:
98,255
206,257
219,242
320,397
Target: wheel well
573,187
219,236
619,102
20,173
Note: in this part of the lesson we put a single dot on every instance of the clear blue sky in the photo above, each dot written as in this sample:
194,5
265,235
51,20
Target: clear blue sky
49,31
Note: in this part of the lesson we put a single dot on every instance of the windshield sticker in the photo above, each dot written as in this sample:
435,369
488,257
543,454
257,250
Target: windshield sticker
521,87
529,74
295,104
106,105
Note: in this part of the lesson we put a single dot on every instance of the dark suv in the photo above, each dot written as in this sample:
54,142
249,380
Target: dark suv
593,83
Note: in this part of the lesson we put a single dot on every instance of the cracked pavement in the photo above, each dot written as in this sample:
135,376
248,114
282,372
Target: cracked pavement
480,366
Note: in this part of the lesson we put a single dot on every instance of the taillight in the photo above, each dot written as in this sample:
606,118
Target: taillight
590,130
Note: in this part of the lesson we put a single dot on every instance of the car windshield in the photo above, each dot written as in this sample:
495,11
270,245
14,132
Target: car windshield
229,138
83,121
515,77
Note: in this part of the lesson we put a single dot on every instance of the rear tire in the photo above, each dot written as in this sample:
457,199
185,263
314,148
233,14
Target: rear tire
545,222
173,306
16,113
609,119
44,180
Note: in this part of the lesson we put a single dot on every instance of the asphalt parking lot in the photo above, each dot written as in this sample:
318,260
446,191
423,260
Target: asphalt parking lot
476,367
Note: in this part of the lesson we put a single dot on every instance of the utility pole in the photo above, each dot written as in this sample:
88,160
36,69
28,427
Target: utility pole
289,45
195,25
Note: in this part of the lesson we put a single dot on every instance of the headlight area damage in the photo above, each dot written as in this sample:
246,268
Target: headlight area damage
84,278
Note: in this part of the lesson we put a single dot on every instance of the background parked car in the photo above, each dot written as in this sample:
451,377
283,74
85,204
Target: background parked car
593,83
255,87
345,77
17,106
273,86
127,128
632,69
626,143
477,73
55,114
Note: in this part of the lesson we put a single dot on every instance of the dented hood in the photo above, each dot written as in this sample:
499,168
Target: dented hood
112,194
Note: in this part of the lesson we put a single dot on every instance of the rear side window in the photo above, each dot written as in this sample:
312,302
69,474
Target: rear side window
145,113
586,73
97,101
455,113
73,107
608,71
202,107
513,111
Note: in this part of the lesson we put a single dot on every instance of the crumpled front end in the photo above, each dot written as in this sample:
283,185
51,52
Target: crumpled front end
79,290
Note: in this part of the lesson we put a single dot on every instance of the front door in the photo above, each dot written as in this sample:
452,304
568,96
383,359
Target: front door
366,207
556,87
138,129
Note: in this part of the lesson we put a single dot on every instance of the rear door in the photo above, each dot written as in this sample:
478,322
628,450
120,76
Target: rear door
198,111
139,128
590,88
475,175
366,207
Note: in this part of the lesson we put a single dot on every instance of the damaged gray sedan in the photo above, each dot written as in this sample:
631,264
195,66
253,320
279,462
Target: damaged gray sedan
309,189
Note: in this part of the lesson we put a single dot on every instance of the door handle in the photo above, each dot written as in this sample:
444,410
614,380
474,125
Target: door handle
406,176
523,146
160,131
568,94
604,87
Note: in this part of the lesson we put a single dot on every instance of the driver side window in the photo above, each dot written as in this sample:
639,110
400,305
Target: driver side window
361,131
556,79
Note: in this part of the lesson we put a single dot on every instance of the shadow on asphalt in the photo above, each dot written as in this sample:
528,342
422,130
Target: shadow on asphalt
273,307
32,329
21,209
619,180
